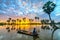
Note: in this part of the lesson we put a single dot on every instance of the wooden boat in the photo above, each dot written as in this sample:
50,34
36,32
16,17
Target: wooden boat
27,33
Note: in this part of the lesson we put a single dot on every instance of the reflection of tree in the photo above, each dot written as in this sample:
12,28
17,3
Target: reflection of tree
55,28
48,8
37,18
30,20
9,19
17,23
8,28
44,24
13,24
24,20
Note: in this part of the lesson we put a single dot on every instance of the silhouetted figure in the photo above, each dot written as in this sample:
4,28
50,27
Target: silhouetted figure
34,31
35,34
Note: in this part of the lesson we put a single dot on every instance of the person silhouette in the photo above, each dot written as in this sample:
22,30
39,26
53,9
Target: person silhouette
35,34
34,31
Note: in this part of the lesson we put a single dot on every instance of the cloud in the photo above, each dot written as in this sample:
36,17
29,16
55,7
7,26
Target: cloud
31,16
57,14
11,12
22,7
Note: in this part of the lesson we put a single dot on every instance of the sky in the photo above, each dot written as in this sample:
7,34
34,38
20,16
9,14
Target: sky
27,8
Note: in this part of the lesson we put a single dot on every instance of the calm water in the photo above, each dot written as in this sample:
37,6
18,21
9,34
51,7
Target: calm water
13,35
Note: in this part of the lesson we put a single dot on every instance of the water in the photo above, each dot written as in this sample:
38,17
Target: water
13,35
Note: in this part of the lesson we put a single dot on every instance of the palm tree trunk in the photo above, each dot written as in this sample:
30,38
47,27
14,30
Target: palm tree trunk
53,34
49,17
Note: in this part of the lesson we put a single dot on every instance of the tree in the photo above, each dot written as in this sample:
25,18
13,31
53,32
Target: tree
48,8
55,28
37,18
24,19
13,24
9,19
17,23
42,22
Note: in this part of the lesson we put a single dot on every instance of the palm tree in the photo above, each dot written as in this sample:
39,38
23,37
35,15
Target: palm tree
24,19
48,8
9,19
17,23
37,18
42,22
55,28
30,20
46,21
13,24
13,21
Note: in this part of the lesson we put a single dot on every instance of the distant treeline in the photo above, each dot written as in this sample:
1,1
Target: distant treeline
2,24
27,24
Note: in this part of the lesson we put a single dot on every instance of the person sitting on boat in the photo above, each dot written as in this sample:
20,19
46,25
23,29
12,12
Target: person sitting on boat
35,31
35,34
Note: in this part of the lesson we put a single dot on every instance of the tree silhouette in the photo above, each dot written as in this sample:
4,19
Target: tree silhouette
55,28
17,23
37,18
24,19
48,8
42,22
13,24
9,19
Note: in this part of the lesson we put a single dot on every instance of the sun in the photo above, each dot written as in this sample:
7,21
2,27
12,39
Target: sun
24,24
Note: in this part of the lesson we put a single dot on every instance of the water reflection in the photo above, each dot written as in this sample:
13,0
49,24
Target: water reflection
13,35
57,35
